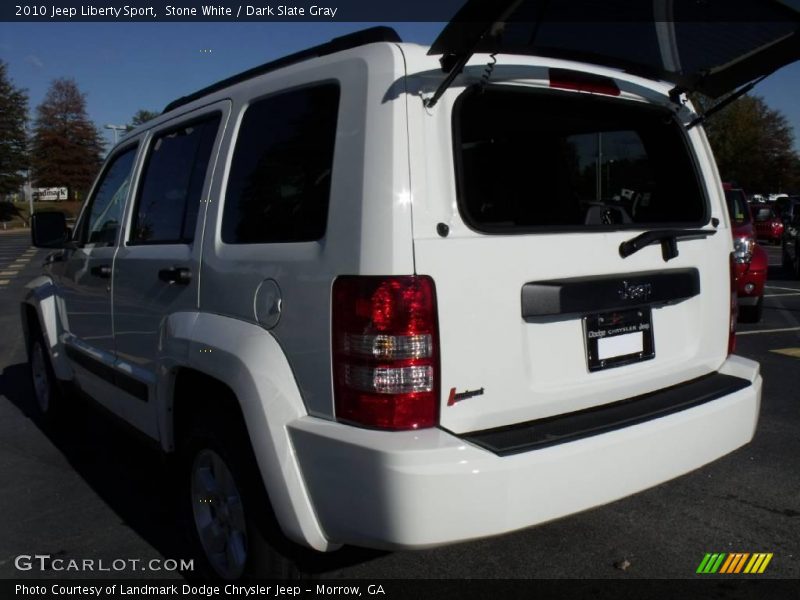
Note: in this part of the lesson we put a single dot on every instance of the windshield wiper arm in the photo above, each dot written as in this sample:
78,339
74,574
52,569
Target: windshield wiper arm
668,238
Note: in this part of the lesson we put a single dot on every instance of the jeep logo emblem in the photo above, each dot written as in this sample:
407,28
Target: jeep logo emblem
635,291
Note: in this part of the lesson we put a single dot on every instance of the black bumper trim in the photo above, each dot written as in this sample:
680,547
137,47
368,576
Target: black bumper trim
585,295
560,429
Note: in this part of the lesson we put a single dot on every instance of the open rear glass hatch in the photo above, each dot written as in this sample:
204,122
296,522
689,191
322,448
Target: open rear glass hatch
681,41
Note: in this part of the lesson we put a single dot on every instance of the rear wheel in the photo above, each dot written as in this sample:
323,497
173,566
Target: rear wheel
218,514
230,518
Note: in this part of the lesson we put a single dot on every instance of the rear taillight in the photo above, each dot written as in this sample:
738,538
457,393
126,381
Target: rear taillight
734,307
385,346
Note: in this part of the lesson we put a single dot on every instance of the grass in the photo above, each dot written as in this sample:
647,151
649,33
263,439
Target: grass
69,207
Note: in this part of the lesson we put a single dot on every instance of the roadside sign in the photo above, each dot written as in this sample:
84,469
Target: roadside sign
50,194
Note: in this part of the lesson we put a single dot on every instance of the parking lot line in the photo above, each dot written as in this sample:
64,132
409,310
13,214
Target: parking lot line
4,281
768,331
788,289
793,352
778,295
7,273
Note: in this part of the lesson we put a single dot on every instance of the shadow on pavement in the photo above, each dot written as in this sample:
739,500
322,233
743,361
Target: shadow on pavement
129,476
133,478
777,274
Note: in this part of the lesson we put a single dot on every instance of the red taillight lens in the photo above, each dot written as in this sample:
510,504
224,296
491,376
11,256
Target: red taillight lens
734,307
385,342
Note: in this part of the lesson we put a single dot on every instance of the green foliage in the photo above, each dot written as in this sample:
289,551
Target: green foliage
66,148
8,211
141,116
13,137
754,146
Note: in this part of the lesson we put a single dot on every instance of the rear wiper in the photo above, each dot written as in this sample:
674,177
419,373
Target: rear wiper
668,238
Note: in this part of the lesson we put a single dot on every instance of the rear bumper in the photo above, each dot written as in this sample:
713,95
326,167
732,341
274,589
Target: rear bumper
429,487
772,234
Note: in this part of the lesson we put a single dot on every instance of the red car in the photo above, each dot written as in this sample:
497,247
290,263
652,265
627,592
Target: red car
751,259
767,223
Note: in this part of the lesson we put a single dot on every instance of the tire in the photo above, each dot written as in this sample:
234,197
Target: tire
752,314
786,262
227,510
47,395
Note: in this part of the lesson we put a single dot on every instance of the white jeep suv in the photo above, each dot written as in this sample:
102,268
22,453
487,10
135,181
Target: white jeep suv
398,297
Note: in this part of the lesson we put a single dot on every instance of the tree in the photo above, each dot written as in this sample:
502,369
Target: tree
754,146
66,147
141,116
13,137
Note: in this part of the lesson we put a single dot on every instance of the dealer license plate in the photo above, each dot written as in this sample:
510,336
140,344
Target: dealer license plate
618,338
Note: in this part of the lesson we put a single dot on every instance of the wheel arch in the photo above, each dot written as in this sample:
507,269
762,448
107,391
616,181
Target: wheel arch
39,308
225,365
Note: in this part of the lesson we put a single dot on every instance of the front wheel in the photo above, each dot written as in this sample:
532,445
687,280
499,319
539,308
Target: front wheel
45,387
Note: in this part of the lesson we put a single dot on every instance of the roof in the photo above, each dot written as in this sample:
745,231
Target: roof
345,42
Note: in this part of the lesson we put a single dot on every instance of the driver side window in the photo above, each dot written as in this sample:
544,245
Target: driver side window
102,217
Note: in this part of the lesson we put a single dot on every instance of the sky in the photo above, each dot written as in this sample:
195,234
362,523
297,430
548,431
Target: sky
124,67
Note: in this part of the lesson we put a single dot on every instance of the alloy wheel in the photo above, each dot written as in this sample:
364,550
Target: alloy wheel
41,381
219,515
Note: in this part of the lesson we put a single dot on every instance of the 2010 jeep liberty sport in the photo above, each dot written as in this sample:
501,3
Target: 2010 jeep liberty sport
367,296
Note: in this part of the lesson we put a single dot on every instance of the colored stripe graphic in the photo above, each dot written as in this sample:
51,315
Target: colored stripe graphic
758,563
711,563
703,564
727,564
735,562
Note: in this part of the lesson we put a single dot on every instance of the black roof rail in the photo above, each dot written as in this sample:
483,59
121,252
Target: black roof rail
345,42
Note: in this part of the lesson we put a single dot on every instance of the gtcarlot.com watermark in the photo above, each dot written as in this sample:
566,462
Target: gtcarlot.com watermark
33,563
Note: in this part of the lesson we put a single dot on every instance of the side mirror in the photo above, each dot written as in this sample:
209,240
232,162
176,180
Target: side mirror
49,229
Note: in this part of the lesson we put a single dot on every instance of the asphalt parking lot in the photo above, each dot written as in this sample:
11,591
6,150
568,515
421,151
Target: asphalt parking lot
89,491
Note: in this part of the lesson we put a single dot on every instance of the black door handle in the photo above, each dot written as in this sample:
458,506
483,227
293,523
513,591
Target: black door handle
181,275
101,271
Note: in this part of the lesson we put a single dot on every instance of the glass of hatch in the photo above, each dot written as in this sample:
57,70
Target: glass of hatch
529,161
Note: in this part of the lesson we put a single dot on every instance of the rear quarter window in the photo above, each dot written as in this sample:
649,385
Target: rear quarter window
280,177
532,161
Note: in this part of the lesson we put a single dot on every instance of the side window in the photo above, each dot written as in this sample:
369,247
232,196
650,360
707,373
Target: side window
101,219
172,181
280,177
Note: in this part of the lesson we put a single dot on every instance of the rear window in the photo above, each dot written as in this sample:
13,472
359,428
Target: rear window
528,161
738,209
763,213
